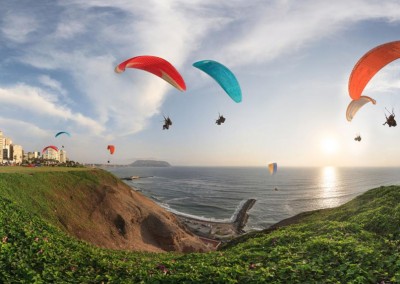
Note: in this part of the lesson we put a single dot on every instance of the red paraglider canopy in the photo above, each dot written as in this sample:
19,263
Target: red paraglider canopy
369,64
111,148
51,146
157,66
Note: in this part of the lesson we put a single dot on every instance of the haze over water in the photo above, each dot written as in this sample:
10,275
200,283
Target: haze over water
216,192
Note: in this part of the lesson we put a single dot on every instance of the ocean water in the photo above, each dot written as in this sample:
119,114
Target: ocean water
215,193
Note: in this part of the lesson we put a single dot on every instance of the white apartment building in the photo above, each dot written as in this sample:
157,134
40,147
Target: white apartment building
31,156
6,152
2,142
51,154
63,156
17,153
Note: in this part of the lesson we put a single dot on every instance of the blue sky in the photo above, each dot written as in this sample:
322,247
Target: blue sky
291,58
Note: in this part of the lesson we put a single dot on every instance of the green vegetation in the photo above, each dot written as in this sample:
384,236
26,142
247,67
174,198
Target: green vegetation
358,242
21,169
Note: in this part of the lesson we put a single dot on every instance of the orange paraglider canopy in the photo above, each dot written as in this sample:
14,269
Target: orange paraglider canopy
369,64
111,148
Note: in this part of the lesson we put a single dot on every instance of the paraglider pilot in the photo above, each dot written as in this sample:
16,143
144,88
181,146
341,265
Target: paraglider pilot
167,122
220,120
390,120
358,138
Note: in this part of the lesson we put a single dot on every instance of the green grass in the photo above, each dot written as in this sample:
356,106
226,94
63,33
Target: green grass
30,170
355,243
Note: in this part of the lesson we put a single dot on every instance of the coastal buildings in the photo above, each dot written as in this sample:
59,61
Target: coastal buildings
14,154
9,153
30,156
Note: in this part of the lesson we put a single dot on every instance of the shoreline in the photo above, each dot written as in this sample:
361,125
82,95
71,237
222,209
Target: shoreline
214,232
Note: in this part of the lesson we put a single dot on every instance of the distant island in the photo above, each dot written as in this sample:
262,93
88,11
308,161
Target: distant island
149,163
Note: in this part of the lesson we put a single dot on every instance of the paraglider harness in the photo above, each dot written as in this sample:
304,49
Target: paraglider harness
358,138
167,123
390,120
220,120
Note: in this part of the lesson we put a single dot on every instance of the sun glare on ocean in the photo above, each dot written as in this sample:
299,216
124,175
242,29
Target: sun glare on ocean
328,185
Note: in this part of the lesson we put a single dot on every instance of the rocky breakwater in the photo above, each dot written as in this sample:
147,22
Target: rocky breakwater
242,216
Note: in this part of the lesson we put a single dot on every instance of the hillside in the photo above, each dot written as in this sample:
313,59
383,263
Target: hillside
358,242
95,206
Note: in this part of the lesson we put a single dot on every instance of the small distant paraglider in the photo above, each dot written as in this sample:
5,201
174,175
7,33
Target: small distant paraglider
357,138
220,120
111,149
62,133
390,120
273,167
167,123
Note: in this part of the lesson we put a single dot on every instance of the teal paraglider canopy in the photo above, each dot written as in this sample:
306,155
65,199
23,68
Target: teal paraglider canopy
223,76
62,132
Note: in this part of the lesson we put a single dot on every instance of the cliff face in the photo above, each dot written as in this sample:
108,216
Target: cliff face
96,207
120,218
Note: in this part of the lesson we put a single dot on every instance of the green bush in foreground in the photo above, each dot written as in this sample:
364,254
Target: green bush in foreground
341,245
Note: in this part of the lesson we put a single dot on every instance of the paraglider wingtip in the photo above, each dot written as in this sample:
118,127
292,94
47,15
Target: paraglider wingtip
118,70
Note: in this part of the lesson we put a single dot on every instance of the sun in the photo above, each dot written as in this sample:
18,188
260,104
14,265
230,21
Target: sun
329,146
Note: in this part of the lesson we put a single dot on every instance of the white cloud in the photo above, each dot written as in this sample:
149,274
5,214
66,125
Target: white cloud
169,29
52,84
17,27
283,27
41,103
26,128
386,81
70,29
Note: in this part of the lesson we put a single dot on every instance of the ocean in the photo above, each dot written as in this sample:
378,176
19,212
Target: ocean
216,193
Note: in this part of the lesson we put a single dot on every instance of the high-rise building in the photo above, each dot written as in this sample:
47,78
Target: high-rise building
17,153
30,156
63,156
2,142
7,155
